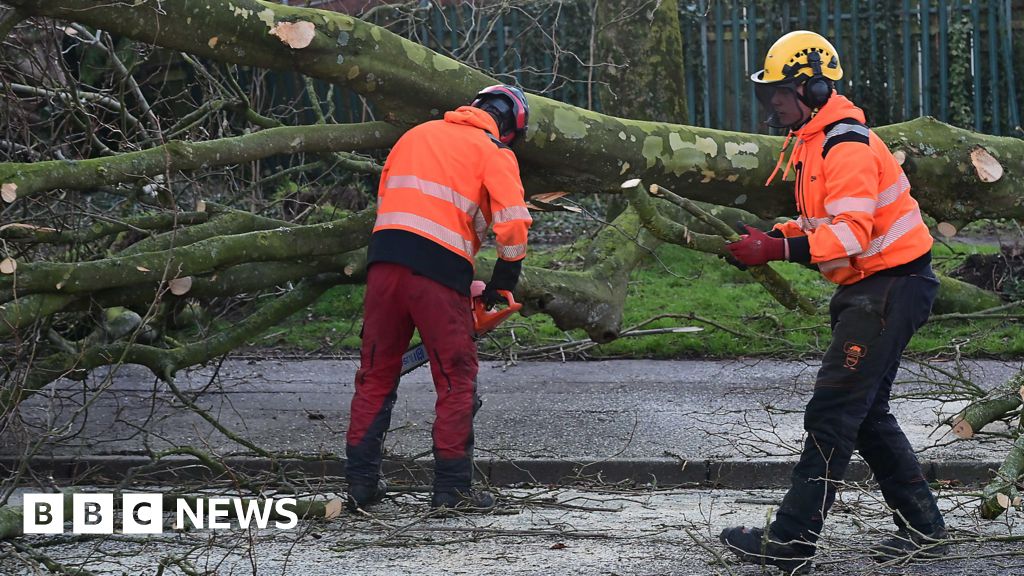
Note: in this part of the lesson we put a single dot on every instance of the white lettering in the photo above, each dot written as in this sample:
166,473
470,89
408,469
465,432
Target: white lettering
219,508
245,511
43,514
183,509
92,513
293,518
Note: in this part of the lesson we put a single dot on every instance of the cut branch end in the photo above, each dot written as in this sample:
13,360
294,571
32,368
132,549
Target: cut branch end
962,428
9,191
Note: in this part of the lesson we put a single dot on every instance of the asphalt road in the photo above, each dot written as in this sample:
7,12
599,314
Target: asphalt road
620,417
591,410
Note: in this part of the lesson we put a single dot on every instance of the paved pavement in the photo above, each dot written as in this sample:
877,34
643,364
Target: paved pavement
738,423
539,532
686,435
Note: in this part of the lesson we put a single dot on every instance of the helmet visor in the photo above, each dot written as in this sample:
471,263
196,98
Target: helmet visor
782,103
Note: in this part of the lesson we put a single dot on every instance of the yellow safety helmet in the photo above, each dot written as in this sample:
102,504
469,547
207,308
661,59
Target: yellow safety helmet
790,57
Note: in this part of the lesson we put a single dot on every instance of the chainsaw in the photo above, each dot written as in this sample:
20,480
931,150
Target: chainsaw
484,321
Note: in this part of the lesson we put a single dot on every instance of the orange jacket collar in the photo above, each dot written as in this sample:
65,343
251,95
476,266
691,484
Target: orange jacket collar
470,116
837,108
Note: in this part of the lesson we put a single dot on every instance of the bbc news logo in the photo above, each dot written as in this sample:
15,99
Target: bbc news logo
143,513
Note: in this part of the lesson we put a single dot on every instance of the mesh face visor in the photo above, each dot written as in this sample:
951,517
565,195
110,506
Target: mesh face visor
781,101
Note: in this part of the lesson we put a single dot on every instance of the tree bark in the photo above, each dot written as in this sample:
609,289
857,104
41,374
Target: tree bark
989,409
24,180
1004,491
195,259
643,46
567,148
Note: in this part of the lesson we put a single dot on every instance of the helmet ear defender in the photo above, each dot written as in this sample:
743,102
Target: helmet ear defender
817,88
510,104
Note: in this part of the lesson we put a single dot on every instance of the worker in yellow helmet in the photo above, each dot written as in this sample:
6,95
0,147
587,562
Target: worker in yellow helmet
863,230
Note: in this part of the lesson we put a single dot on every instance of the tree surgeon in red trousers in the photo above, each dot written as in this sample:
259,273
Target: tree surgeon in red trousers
444,183
863,230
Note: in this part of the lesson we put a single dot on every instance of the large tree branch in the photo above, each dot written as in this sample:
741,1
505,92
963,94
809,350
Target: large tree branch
164,363
25,179
195,259
567,148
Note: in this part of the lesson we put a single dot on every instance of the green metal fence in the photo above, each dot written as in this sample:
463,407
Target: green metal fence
960,61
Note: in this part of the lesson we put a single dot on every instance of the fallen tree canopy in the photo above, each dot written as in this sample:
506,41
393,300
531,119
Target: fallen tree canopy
957,175
125,277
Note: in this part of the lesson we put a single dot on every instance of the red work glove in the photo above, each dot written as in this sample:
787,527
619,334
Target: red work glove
756,248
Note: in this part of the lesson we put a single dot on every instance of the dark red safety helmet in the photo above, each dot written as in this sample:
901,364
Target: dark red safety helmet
510,107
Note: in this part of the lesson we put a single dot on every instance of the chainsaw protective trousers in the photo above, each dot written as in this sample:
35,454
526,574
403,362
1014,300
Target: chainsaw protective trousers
398,301
872,322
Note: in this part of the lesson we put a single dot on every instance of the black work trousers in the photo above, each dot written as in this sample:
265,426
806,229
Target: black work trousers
872,322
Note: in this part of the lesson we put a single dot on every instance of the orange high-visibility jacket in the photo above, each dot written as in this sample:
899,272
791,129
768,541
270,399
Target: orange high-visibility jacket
447,181
853,198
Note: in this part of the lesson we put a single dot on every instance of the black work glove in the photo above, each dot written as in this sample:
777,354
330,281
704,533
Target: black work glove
504,277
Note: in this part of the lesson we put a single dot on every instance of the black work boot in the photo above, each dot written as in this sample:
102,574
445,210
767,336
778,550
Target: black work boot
910,545
463,501
362,495
753,546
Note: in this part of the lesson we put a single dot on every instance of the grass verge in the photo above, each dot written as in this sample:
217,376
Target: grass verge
683,288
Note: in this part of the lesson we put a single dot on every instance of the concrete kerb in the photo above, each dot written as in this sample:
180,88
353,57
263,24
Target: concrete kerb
734,474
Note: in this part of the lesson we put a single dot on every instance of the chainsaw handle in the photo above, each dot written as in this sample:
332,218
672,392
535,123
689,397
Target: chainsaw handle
485,320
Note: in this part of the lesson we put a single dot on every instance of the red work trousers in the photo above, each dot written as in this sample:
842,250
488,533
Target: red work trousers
397,301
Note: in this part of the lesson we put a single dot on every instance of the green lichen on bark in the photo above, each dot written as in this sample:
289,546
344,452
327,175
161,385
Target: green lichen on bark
644,49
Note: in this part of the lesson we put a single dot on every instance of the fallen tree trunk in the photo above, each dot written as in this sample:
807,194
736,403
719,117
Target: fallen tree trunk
593,298
567,148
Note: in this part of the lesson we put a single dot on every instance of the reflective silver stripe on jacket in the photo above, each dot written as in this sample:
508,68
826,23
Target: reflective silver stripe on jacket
512,213
846,128
893,192
837,207
901,227
446,193
417,222
836,264
512,252
807,223
846,237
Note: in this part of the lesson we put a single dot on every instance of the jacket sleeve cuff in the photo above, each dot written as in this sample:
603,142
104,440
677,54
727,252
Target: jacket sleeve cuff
798,249
775,233
505,275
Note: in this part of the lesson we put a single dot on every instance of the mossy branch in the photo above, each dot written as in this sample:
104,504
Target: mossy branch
994,406
195,259
164,363
142,223
1003,492
671,231
20,180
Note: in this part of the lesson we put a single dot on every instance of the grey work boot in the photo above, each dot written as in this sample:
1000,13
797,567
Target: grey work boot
463,501
753,546
910,545
362,495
